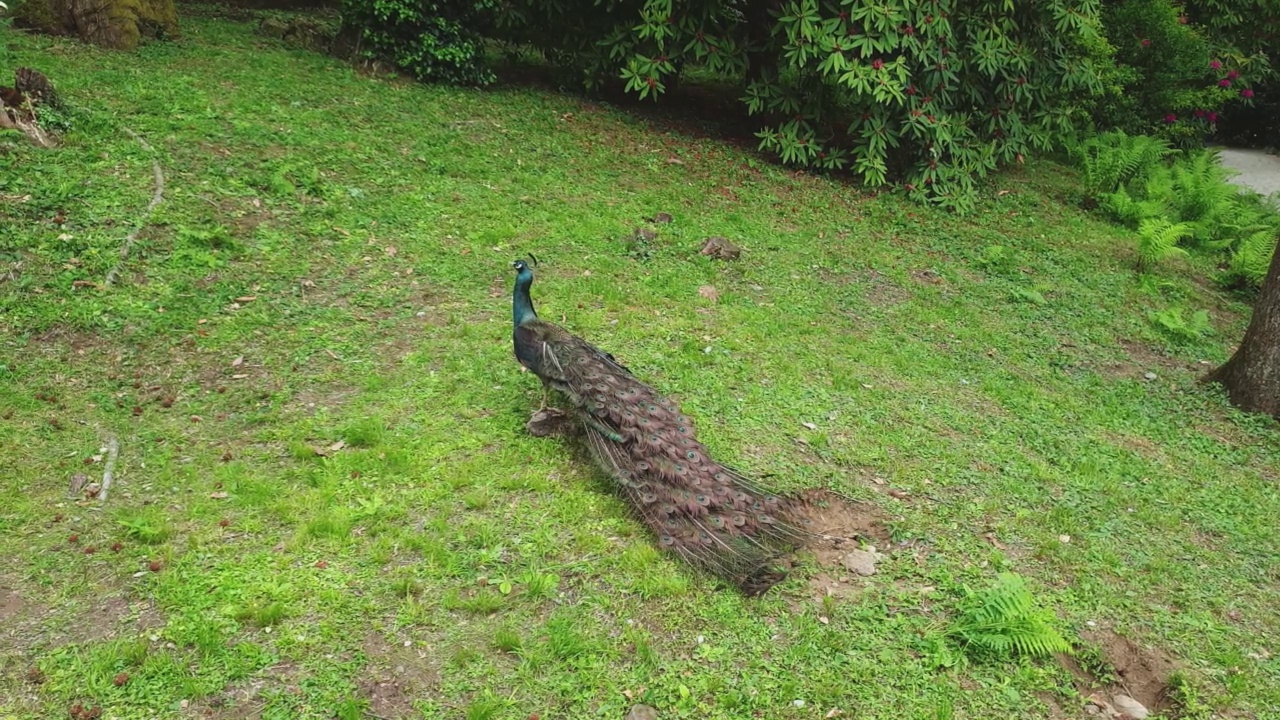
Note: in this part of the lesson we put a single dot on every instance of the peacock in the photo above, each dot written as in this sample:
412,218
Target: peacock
701,510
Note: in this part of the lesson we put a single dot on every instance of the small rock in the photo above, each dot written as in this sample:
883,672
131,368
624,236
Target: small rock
643,235
862,562
1150,375
1064,539
720,249
1130,707
642,712
663,218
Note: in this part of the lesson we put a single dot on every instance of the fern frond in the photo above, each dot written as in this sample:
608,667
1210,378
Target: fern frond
1252,258
1158,240
1004,621
1110,160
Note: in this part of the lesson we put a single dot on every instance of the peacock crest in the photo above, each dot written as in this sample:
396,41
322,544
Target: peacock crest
705,512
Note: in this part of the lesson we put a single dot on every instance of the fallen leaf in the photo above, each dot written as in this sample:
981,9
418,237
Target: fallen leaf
246,298
390,250
900,494
709,292
674,161
220,495
238,361
809,425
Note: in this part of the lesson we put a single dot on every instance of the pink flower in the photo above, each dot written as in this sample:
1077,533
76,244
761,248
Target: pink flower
1224,83
1246,93
1215,65
1171,118
877,63
1182,19
1146,42
1213,117
1199,113
1233,75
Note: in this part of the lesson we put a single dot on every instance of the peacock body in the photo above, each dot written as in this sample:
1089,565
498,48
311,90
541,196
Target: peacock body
701,510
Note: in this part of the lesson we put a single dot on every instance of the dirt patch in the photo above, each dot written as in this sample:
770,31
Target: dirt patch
845,532
1150,359
882,291
395,676
1142,674
247,700
310,399
10,604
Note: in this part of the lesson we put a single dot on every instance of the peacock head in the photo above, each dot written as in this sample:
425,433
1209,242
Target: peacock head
524,271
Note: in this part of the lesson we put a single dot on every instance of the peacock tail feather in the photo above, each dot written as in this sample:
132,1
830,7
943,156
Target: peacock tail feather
699,509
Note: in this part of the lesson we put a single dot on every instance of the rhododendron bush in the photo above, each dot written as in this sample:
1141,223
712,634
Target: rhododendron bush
933,94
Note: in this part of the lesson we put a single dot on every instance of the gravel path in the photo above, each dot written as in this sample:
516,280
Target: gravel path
1257,169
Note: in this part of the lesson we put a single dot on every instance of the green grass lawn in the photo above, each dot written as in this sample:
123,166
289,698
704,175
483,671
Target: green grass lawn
326,503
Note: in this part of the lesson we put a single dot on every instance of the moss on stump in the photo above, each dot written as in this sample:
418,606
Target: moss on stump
116,24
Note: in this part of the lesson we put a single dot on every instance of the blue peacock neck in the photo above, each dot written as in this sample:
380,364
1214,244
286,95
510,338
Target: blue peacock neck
521,304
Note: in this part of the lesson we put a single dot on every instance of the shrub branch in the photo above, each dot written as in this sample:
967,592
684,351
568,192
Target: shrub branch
156,199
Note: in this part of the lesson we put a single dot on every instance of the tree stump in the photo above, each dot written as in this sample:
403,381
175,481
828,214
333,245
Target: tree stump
115,24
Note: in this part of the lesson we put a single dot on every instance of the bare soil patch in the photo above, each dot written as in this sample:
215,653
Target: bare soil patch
247,700
1141,673
395,676
842,528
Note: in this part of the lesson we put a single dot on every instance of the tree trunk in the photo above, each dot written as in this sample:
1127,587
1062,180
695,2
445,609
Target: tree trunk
116,24
1252,375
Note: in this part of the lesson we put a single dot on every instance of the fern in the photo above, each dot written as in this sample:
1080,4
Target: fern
1158,240
1110,160
1180,329
1004,621
1252,257
1201,194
